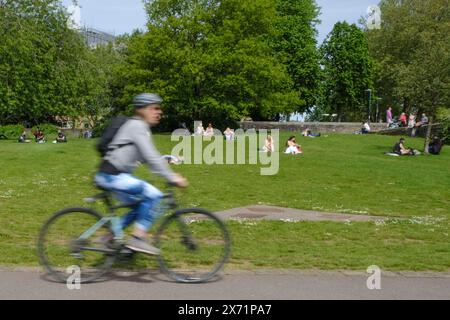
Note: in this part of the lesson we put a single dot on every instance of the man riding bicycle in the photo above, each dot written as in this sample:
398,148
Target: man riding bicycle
132,145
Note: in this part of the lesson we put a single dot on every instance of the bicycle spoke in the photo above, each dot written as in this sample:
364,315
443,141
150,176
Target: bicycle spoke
60,246
194,246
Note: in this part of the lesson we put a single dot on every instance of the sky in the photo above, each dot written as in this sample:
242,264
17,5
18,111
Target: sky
123,16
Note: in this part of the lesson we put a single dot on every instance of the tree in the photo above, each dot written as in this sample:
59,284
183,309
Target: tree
210,60
296,39
46,69
347,71
39,59
98,78
412,51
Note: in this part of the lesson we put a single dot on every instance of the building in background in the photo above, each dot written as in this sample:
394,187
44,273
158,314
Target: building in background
92,36
95,37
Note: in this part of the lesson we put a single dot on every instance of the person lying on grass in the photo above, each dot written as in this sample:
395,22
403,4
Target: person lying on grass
308,133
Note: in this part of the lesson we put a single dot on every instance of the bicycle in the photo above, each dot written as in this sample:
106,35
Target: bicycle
185,237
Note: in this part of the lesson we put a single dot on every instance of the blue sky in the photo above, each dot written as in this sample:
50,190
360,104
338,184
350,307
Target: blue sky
121,16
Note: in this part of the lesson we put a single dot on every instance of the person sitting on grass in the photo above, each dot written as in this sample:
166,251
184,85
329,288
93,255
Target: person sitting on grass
200,131
435,146
269,145
229,134
39,136
60,138
209,132
401,150
365,129
23,138
292,147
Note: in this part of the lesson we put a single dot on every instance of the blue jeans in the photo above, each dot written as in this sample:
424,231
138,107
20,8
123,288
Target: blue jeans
129,189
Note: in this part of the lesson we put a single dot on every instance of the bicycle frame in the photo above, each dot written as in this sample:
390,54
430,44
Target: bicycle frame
167,203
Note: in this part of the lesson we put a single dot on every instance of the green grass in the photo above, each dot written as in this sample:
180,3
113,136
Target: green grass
339,173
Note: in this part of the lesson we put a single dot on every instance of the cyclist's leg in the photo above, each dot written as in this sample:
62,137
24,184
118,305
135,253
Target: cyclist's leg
146,211
129,189
131,216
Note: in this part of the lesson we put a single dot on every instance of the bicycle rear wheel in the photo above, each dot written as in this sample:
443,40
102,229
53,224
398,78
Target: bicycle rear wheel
195,245
62,253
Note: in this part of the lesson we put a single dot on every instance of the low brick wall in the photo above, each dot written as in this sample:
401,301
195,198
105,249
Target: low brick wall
322,127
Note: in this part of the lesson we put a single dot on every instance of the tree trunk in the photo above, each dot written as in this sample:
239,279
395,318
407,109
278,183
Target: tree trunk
428,135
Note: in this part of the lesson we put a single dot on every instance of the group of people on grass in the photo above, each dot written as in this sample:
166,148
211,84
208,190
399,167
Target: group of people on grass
401,149
209,132
39,137
291,147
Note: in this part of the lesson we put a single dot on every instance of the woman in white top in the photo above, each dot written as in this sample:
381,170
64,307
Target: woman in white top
412,121
229,134
293,147
269,145
200,130
209,131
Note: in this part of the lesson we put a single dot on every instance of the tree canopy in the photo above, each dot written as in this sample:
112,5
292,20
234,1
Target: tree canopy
412,53
46,69
347,71
224,60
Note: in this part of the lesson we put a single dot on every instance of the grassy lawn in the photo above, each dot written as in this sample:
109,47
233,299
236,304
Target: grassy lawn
338,173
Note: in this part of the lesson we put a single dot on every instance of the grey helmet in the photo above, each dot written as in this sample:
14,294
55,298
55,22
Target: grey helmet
144,99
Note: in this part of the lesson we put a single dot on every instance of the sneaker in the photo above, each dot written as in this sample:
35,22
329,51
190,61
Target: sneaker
140,245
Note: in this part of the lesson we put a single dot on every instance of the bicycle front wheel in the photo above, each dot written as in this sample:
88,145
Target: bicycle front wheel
65,255
195,245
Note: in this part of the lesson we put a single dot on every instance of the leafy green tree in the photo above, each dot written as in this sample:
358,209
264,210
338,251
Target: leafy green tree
97,81
39,61
210,60
296,39
347,71
412,51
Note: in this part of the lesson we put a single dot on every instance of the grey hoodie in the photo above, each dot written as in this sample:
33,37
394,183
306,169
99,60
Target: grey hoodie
136,135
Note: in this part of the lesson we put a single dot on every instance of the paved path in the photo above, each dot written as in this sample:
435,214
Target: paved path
263,212
239,285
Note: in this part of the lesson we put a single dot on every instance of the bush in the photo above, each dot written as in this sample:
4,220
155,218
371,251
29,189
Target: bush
48,129
11,131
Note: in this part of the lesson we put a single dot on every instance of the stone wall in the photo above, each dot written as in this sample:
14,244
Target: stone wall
322,127
435,130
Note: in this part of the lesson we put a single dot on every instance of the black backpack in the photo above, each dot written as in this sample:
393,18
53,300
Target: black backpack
109,134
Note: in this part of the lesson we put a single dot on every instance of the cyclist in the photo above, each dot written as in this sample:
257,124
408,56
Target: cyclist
132,145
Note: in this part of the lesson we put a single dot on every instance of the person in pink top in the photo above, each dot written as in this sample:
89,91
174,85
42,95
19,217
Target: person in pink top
389,116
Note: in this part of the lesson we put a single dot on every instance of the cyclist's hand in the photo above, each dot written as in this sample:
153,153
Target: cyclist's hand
180,181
